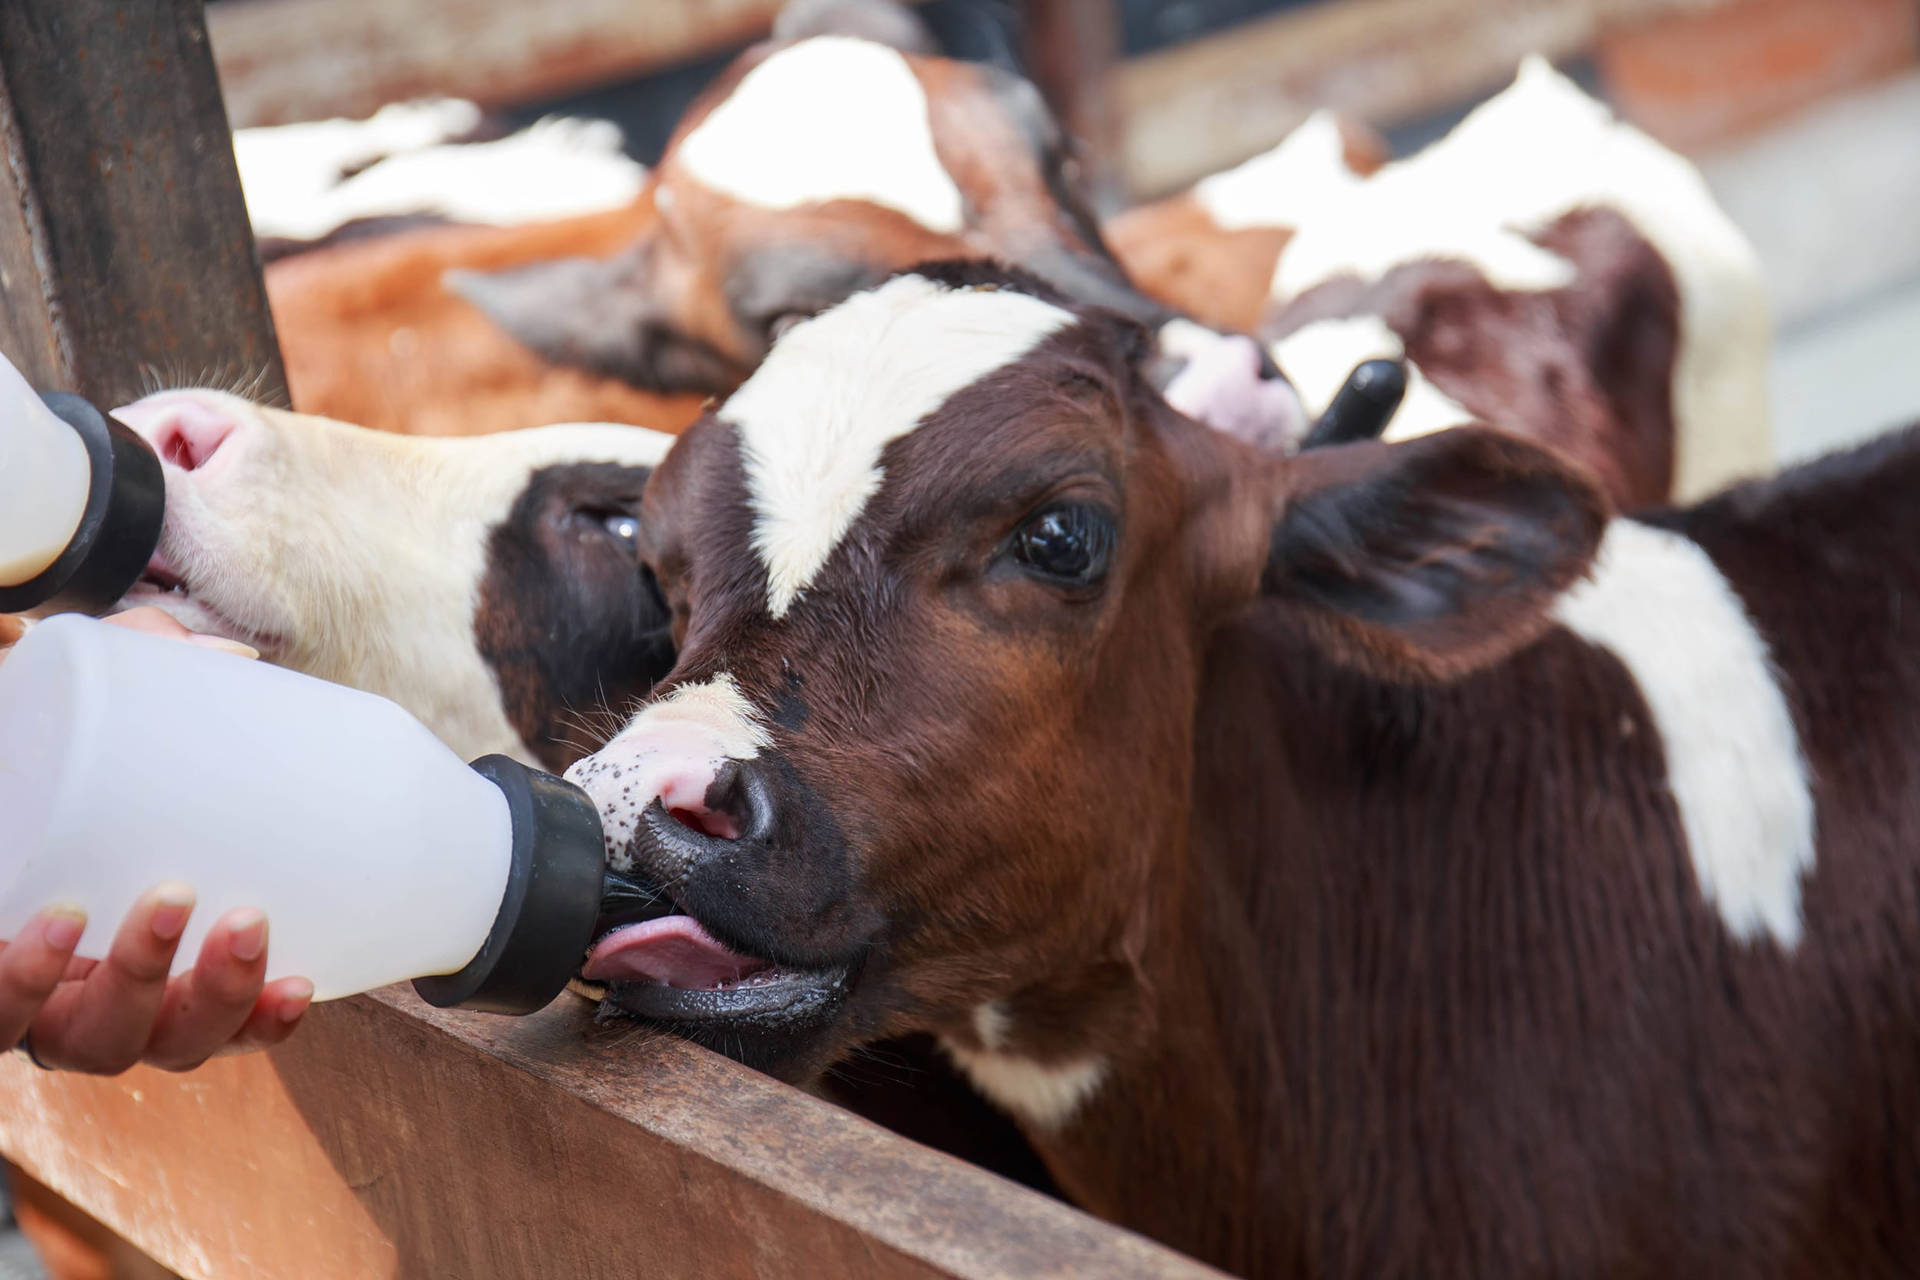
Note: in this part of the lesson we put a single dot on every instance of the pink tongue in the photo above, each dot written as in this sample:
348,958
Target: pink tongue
673,951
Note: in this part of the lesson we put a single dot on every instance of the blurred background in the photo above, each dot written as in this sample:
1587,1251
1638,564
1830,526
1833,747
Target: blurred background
1804,115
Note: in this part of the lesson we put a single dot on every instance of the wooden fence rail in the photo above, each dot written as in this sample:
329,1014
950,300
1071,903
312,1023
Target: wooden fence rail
390,1139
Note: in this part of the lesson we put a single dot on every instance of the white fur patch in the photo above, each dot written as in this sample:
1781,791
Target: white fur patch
286,169
1285,187
1319,356
1043,1094
1734,764
557,168
836,389
668,752
1528,157
832,118
715,707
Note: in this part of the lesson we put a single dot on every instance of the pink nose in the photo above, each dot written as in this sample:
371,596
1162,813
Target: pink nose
185,432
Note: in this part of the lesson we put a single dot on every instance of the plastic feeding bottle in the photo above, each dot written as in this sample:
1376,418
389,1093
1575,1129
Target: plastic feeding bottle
377,855
81,499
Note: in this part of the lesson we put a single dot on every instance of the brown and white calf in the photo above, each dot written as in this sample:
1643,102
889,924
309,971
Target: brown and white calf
492,586
1551,271
1372,862
768,210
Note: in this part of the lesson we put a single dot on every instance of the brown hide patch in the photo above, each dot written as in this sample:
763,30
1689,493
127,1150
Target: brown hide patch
1174,251
370,335
569,619
1508,1036
1586,370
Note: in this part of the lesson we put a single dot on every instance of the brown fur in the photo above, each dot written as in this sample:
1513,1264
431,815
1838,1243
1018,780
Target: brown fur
1181,256
1391,977
1587,369
1176,252
369,335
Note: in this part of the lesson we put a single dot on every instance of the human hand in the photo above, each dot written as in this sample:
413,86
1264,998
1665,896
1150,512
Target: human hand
104,1016
155,622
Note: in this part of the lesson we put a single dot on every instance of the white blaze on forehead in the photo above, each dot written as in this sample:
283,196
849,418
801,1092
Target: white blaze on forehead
669,752
832,118
1526,158
1739,780
836,389
1284,187
1319,356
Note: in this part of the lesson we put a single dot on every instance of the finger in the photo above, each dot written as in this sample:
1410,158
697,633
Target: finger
274,1017
158,622
208,1005
155,622
32,965
101,1024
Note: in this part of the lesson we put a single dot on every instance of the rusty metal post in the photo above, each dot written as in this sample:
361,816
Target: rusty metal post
125,250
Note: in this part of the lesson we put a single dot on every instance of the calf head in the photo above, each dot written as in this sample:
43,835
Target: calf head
945,573
814,168
809,170
491,585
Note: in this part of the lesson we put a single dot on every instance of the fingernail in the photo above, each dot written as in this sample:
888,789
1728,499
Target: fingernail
173,903
62,926
298,994
224,645
247,936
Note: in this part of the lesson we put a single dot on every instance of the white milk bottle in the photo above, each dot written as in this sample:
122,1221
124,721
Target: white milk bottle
81,499
375,852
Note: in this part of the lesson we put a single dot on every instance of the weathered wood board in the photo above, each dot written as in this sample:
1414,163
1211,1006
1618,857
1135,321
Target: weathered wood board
389,1139
1203,106
125,252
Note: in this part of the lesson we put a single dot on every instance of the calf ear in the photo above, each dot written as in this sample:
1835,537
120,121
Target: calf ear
1431,557
579,312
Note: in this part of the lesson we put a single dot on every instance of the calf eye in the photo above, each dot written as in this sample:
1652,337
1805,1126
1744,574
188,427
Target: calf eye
624,527
1069,544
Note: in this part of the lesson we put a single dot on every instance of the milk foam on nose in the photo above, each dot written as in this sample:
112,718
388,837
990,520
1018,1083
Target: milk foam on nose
670,752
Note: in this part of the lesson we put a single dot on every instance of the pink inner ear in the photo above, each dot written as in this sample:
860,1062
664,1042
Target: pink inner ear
1221,387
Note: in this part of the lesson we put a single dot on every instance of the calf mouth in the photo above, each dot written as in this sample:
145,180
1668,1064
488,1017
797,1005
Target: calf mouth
164,585
653,961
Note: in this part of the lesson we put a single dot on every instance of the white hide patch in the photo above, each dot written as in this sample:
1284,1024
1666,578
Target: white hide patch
285,169
831,118
1043,1094
1319,356
836,389
669,752
1521,161
557,168
1739,780
1284,187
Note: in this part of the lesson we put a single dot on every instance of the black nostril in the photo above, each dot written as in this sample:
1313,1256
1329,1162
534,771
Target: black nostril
740,793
